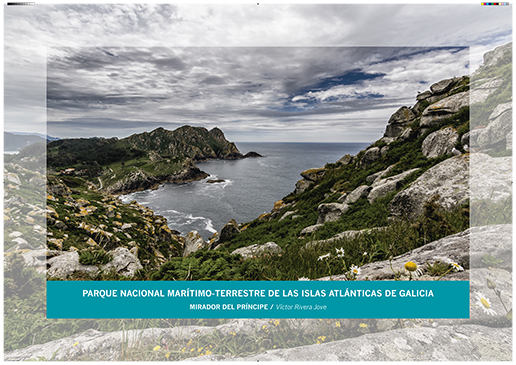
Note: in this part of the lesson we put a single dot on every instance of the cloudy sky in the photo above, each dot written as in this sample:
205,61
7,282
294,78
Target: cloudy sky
314,73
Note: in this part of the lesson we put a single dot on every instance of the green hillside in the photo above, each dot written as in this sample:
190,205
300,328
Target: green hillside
140,161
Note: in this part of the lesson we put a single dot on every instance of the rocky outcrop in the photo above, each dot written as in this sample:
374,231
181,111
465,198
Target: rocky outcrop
287,214
302,185
252,154
310,176
12,177
448,179
345,160
330,212
310,229
62,264
495,241
123,262
140,180
313,174
380,174
444,108
193,243
358,193
491,58
258,249
227,232
399,121
370,156
490,177
440,142
405,135
442,89
481,89
499,126
96,345
383,187
66,263
445,343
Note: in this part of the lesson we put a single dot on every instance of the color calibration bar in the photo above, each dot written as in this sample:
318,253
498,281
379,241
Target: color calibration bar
494,3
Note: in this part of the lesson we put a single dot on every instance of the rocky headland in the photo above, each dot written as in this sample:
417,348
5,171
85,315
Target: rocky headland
142,161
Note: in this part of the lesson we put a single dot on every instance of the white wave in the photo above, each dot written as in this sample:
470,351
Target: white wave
209,226
190,216
226,183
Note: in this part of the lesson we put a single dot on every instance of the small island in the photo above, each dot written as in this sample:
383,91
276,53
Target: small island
215,181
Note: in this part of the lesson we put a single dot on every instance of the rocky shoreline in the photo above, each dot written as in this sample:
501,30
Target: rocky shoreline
140,181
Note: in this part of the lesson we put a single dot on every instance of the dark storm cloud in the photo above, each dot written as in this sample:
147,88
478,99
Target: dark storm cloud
138,81
199,86
169,64
213,80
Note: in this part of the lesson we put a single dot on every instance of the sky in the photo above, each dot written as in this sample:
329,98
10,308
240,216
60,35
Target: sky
261,73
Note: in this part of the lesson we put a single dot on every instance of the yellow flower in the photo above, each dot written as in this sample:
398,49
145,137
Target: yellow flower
167,355
362,325
208,352
410,266
276,323
264,326
75,344
199,350
337,324
192,350
157,348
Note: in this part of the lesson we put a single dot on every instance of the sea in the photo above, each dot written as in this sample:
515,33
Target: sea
251,186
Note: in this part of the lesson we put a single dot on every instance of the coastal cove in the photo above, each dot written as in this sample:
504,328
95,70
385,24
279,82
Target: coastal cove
250,186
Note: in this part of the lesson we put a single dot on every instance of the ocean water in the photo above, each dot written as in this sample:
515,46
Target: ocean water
250,187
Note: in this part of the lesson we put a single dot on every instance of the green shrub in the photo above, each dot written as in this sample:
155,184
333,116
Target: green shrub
201,265
95,257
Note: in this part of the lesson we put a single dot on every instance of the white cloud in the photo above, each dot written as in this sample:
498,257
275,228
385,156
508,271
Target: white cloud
200,90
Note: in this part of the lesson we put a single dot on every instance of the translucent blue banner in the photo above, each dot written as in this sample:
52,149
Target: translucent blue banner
258,299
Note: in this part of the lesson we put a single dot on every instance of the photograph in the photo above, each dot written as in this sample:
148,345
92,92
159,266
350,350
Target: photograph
258,181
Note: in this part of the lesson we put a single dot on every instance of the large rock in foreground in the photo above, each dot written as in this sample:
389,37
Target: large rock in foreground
446,343
449,180
493,240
